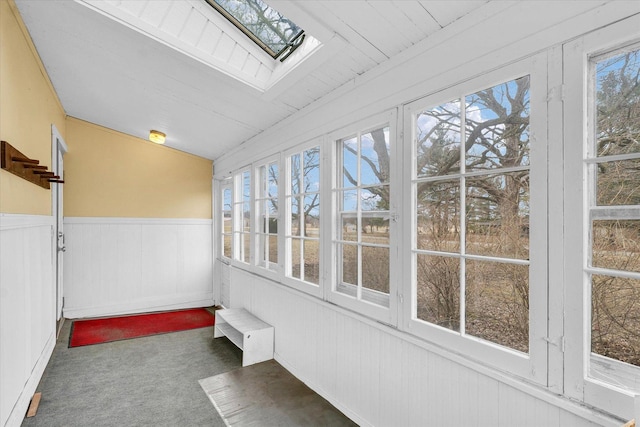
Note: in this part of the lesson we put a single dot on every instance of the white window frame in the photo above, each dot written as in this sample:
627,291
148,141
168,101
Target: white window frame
239,235
225,184
532,366
260,198
578,131
388,315
285,212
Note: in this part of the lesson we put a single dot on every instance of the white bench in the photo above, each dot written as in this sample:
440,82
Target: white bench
253,336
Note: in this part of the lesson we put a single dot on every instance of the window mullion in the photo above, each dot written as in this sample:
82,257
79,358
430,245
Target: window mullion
359,216
463,215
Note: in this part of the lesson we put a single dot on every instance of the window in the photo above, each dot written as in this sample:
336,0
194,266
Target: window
472,215
601,263
303,213
362,233
274,33
242,211
227,219
267,208
478,249
613,256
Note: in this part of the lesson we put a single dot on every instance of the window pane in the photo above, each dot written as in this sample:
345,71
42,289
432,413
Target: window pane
498,215
246,247
349,254
312,261
375,268
350,162
497,303
246,217
374,157
226,199
226,223
618,183
438,290
615,318
616,245
227,246
375,198
438,216
349,229
438,136
311,180
272,207
312,215
497,122
349,200
246,186
295,259
272,180
263,250
273,249
295,216
375,229
618,105
296,177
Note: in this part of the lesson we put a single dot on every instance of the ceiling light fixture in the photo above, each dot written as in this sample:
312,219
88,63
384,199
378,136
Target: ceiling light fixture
157,136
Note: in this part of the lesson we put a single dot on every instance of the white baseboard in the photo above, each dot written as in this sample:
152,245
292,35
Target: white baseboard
22,405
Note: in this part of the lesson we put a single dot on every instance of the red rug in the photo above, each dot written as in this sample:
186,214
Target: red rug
97,331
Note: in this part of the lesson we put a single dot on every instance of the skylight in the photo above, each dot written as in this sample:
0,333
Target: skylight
274,33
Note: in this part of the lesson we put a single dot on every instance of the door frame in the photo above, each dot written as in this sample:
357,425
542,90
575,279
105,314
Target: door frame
58,150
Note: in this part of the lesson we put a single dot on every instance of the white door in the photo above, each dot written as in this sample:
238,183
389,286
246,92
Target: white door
58,148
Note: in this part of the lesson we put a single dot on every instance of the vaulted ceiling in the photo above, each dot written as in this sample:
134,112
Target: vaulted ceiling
180,67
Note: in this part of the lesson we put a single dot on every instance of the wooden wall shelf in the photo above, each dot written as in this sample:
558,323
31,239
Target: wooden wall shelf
18,164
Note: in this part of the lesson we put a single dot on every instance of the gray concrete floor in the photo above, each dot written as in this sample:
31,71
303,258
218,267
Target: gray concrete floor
153,381
266,394
149,381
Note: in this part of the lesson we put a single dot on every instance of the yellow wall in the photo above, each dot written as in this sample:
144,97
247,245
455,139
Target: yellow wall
28,107
111,174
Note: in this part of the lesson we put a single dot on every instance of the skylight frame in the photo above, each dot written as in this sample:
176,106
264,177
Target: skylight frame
283,53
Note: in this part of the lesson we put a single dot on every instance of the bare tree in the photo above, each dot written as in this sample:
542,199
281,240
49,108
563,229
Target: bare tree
497,137
615,310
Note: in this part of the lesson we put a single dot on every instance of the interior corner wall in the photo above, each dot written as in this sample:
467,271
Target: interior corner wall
28,108
137,225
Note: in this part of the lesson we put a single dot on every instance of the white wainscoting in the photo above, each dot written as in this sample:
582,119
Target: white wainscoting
133,265
27,310
381,377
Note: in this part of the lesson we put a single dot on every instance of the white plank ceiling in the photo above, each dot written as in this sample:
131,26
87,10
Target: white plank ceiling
176,66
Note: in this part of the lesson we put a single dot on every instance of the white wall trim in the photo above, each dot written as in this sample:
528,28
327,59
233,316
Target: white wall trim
13,221
143,306
144,221
20,409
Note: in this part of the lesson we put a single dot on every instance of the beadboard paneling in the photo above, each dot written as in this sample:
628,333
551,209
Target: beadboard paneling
378,376
27,310
128,265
